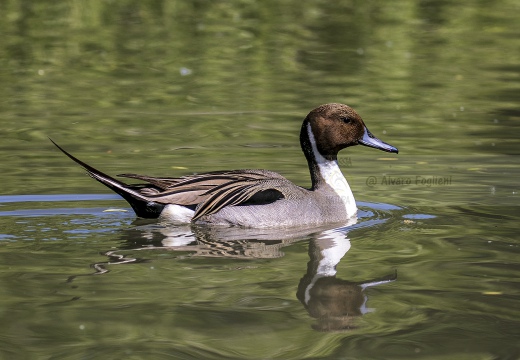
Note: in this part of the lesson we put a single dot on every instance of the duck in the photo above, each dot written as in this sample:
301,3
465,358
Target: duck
253,198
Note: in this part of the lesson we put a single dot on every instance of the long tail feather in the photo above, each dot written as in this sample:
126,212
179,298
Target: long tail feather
142,205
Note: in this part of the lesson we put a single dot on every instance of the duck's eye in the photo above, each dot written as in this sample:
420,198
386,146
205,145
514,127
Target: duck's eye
346,120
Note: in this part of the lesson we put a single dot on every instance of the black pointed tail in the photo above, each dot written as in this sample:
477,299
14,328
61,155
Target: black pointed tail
142,205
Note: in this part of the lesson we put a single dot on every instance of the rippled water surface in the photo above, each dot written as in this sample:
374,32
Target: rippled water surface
429,269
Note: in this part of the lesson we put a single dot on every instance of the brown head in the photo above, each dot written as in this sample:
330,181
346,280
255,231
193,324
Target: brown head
335,127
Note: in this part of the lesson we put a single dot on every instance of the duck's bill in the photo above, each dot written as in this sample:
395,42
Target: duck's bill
371,141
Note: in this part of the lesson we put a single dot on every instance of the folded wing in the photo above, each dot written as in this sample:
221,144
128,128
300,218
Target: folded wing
210,192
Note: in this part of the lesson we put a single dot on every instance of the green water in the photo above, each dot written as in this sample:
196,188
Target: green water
173,88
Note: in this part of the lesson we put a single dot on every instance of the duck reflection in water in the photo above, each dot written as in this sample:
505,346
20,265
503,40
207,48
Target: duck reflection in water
334,302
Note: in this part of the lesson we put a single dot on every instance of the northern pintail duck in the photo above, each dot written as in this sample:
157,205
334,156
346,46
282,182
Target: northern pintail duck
258,198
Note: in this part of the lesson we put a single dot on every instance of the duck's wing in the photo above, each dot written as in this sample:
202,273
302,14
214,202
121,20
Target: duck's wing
212,191
207,179
242,192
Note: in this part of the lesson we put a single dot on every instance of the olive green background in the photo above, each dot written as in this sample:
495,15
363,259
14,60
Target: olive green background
175,87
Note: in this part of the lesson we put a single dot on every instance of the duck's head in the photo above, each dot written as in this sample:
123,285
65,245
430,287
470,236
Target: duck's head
333,127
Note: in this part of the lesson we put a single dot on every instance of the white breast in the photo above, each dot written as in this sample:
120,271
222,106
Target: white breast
333,176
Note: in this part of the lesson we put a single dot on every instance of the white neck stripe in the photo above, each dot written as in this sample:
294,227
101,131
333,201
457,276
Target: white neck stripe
331,173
